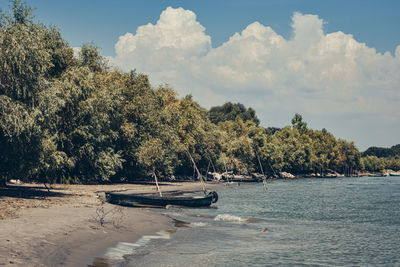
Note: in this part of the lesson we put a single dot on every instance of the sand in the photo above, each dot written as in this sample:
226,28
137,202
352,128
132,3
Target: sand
65,229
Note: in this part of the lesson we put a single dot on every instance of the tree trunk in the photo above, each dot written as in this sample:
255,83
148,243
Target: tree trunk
48,188
155,178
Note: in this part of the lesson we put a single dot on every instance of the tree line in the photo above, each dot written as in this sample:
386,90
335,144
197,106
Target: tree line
383,152
376,159
74,119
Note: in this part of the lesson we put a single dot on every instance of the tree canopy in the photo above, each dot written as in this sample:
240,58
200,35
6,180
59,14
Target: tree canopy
382,152
229,112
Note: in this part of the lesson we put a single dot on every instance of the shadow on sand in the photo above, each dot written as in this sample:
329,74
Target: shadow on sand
29,192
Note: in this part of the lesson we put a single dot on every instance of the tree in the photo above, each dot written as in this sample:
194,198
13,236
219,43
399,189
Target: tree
30,54
351,156
90,57
299,124
372,163
323,144
146,119
89,122
229,112
382,151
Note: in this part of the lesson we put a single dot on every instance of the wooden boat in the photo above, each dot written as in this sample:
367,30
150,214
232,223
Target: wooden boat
246,180
152,200
159,201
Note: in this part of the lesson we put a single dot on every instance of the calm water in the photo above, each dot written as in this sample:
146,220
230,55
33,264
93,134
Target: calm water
308,222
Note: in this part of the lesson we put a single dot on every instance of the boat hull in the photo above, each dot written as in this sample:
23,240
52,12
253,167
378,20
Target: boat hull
141,200
246,180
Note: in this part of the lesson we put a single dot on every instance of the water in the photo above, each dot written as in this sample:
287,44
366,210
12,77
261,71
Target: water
307,222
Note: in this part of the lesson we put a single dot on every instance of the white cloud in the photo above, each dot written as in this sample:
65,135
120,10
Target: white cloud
173,42
320,75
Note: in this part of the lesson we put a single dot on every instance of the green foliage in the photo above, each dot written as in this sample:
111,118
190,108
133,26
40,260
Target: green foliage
297,122
88,123
28,100
229,112
372,163
382,151
21,12
290,151
272,130
241,144
17,130
90,57
376,164
298,149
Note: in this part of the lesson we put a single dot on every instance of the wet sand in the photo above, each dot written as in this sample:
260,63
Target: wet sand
64,228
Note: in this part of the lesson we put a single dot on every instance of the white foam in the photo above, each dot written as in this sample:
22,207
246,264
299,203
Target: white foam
123,248
229,218
198,224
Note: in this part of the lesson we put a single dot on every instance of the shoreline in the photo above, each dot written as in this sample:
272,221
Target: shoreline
62,229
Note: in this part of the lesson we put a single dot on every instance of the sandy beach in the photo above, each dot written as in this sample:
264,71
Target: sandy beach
63,228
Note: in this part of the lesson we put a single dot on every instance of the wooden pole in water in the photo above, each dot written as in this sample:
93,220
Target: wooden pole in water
208,167
155,178
226,171
269,163
198,172
209,158
262,171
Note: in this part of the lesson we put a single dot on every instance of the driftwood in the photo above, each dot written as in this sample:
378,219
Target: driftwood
230,176
287,175
227,175
15,181
215,175
257,175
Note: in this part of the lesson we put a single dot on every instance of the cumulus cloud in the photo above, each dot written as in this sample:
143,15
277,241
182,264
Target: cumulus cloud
173,42
325,76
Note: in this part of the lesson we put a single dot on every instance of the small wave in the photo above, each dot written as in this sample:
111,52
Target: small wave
229,218
123,248
207,216
233,218
198,224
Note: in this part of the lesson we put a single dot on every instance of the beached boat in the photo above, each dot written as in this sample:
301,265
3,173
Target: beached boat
169,198
152,200
394,174
246,180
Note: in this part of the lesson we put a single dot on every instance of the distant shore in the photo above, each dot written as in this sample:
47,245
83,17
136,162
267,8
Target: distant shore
63,228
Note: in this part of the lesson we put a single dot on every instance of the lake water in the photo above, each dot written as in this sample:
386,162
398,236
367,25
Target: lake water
305,222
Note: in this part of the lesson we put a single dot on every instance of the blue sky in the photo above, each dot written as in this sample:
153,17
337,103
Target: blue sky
375,23
335,62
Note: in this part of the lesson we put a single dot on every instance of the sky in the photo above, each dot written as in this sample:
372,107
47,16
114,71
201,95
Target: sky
335,62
